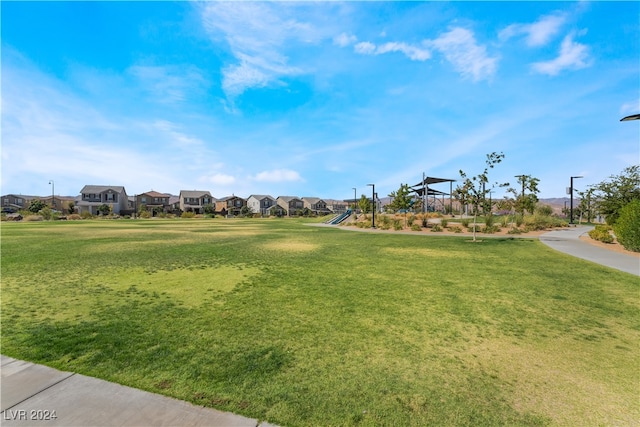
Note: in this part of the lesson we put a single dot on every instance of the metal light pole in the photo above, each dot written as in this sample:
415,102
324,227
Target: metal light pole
53,197
373,199
355,201
571,198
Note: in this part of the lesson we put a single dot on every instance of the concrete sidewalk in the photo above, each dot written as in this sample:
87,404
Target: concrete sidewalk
36,395
567,240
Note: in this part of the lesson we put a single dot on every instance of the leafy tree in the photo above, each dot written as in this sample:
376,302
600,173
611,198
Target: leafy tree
71,208
209,209
246,211
521,200
364,204
104,209
402,200
586,206
474,189
36,206
617,192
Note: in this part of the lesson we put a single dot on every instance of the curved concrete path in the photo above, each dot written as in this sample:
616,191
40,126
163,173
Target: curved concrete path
36,395
567,240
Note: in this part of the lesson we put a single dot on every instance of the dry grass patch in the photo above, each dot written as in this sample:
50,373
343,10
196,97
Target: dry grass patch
561,383
189,287
291,246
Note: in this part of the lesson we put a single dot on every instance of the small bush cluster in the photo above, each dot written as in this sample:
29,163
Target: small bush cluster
188,215
465,222
397,224
602,234
444,223
34,218
436,228
455,229
514,230
490,229
416,227
74,217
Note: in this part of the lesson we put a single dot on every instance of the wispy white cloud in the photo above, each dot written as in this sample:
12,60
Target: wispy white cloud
257,34
458,46
218,179
538,33
414,53
170,83
344,40
278,175
572,56
461,49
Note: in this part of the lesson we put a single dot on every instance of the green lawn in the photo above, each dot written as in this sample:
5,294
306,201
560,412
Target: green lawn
308,326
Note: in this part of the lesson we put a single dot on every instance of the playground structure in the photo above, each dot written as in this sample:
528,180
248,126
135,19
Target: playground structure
424,192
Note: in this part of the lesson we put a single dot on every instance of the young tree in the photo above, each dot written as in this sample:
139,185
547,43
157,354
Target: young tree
104,209
586,203
402,200
521,200
71,208
36,206
364,204
617,192
474,189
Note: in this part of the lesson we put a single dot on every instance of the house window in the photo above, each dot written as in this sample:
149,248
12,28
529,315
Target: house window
155,200
110,197
143,200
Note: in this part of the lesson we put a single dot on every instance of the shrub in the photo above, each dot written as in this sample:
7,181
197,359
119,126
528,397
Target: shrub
74,217
601,233
627,227
34,218
514,230
188,215
490,229
436,228
410,220
470,228
397,224
86,215
489,220
455,229
519,220
465,222
386,221
145,214
504,221
416,227
544,210
444,223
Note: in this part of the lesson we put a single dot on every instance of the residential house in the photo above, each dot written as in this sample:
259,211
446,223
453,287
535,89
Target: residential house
261,204
93,196
154,202
195,201
290,204
230,205
15,202
316,205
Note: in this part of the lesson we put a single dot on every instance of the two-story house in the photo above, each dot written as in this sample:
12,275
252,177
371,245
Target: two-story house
195,201
153,201
290,204
230,205
316,205
13,202
261,204
93,196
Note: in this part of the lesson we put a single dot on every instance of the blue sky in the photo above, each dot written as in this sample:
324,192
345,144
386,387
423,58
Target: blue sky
313,99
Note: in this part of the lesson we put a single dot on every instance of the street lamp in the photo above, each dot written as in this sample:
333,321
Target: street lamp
631,117
355,200
373,199
571,198
53,199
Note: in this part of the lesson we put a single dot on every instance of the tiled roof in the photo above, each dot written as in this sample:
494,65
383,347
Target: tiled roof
95,189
